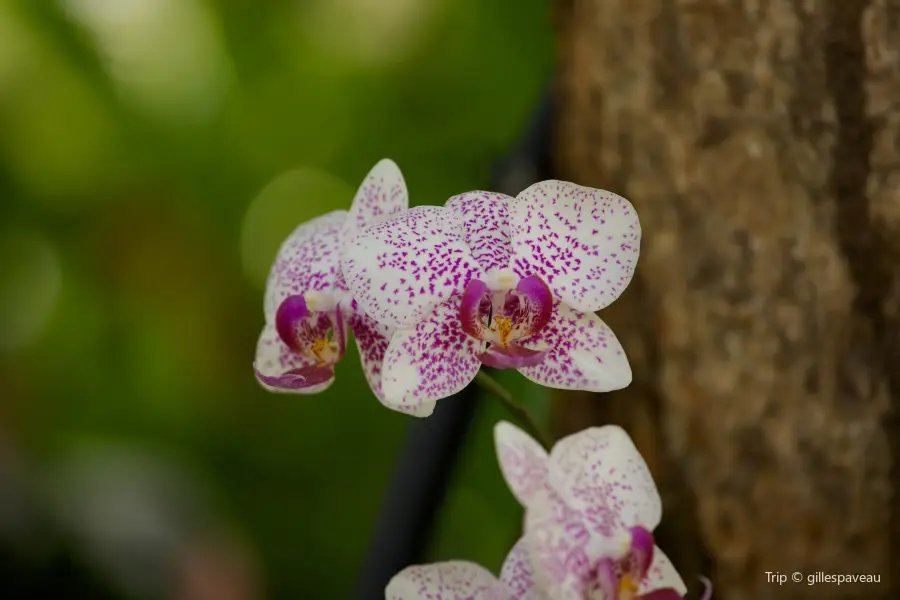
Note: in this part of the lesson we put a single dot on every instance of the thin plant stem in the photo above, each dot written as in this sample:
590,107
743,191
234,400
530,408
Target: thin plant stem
519,412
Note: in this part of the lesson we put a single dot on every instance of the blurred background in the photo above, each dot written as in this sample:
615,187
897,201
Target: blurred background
153,156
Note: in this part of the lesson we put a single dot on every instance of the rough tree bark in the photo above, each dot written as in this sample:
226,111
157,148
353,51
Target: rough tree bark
760,143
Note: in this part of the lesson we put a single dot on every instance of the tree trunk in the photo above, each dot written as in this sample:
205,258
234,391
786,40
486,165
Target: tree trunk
759,141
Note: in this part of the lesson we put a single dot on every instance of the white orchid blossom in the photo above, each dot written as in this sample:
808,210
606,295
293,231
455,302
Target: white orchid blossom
590,509
506,282
308,308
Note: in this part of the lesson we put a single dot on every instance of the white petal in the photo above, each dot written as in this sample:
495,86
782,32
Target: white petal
662,574
452,580
372,340
559,547
430,361
584,353
274,358
583,242
599,471
485,218
381,195
400,269
518,575
523,461
308,260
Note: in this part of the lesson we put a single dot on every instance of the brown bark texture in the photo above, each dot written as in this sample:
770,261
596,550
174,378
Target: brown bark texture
759,141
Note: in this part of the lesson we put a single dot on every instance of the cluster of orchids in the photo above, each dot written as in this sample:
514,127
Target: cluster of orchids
432,293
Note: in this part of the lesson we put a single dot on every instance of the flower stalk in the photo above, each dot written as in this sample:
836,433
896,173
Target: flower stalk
518,411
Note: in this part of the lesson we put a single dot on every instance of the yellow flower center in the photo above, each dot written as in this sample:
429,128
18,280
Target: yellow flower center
504,326
627,588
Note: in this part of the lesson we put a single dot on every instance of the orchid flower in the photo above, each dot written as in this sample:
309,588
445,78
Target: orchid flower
461,579
590,510
506,282
308,308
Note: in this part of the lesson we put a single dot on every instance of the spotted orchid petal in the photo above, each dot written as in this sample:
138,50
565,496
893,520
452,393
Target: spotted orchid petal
518,575
279,369
582,241
600,471
452,580
381,195
485,217
662,576
309,260
372,340
559,546
432,360
400,269
583,353
523,462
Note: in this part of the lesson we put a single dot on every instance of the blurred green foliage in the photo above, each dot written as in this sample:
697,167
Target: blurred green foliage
154,154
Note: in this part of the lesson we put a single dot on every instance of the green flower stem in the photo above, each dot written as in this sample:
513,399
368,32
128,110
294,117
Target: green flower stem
519,412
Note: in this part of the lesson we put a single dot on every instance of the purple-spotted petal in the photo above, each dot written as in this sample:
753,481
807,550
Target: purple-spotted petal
452,580
584,353
485,218
600,472
308,261
280,369
400,269
523,462
518,575
430,361
381,195
372,340
559,546
512,356
662,574
583,242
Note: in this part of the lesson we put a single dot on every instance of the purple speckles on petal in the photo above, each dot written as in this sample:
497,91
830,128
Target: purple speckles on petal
372,339
381,195
662,575
485,218
523,462
399,270
584,353
308,261
583,242
432,360
557,545
600,472
518,575
452,580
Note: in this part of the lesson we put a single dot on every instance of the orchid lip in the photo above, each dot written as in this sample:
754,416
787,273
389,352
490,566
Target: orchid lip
312,325
504,310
